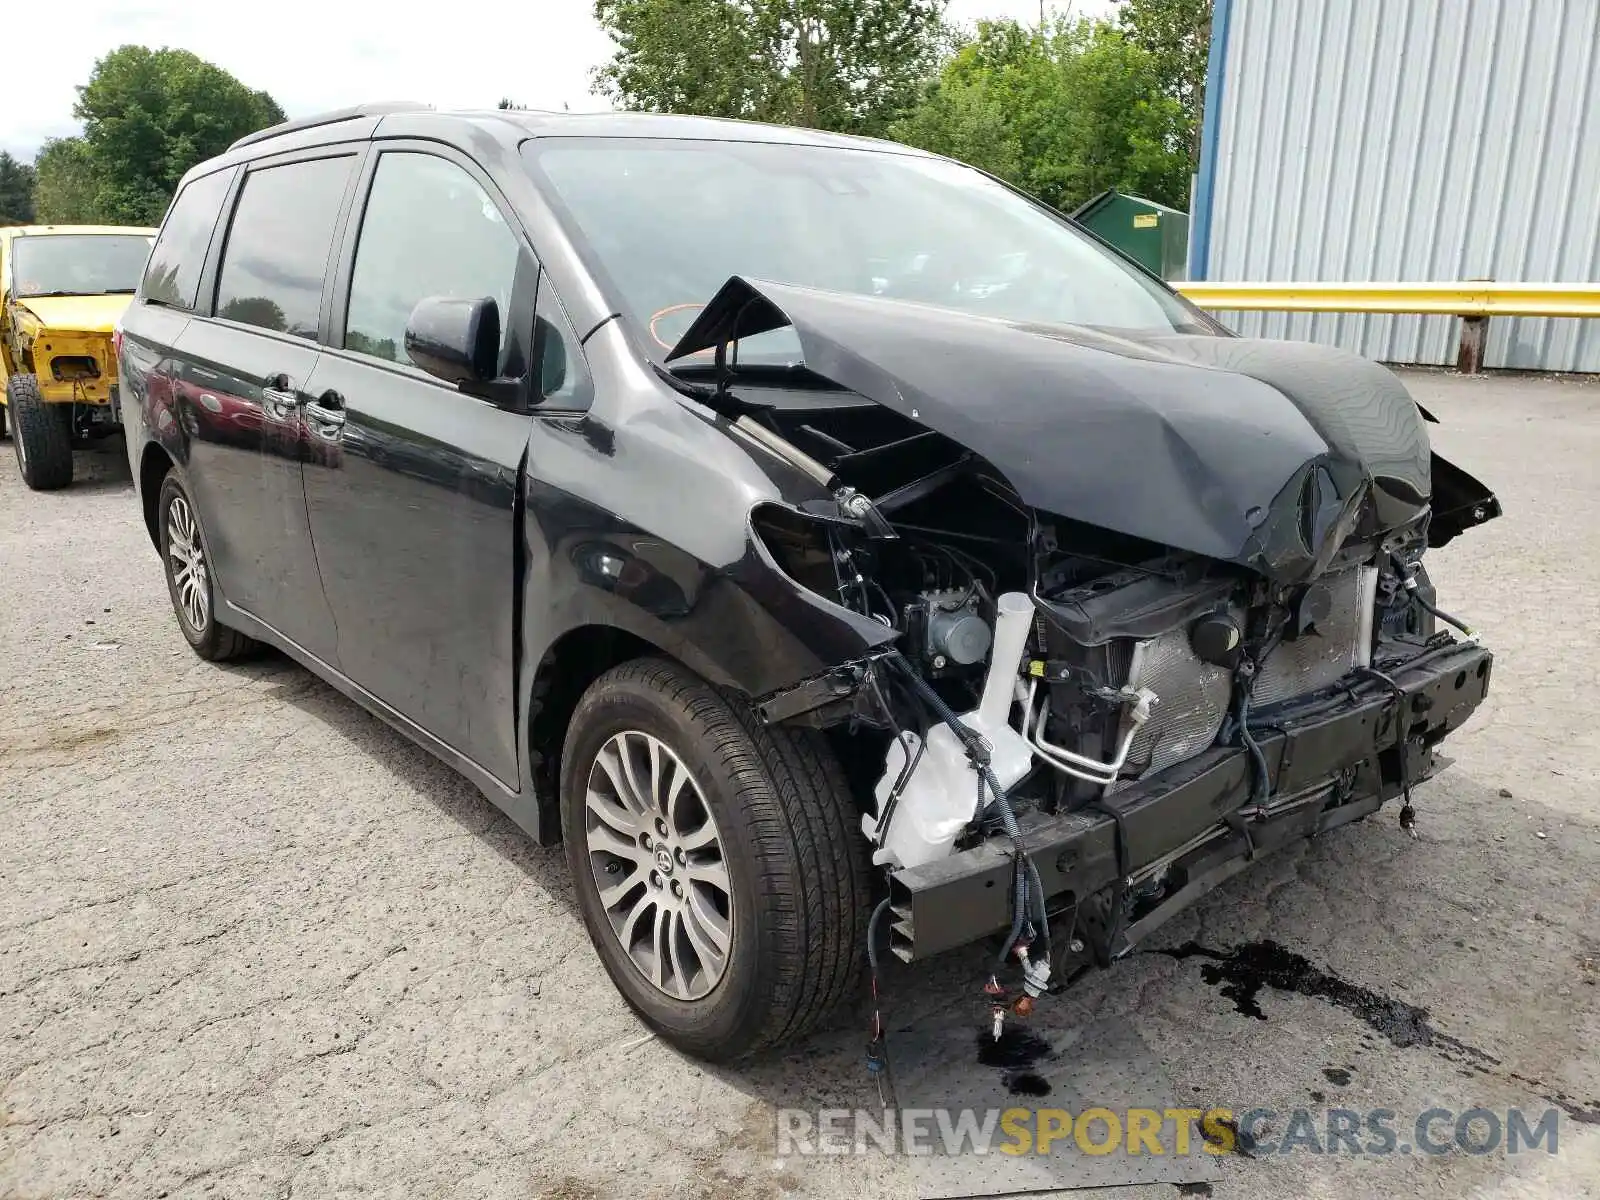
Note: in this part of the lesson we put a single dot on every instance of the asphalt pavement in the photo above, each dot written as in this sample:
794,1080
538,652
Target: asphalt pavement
255,944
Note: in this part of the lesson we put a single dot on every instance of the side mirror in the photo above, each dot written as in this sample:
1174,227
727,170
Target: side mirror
456,340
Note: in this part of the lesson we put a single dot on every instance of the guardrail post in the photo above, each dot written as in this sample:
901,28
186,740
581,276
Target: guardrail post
1474,337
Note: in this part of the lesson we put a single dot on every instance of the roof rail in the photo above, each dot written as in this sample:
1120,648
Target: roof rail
375,109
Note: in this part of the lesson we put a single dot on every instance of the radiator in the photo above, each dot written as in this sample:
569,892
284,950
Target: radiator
1341,643
1194,697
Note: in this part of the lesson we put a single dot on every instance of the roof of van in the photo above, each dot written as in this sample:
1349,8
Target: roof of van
522,123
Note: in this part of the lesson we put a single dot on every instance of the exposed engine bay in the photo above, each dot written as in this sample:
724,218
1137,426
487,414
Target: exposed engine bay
1104,657
1121,616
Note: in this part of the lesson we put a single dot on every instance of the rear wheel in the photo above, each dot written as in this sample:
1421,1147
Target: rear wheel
41,435
718,863
187,565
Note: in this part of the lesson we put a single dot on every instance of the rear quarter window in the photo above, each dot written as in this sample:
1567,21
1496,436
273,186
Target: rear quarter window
172,277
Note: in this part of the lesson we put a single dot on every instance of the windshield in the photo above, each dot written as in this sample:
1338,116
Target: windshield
665,223
87,264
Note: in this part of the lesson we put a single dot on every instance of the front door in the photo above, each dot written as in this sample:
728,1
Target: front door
413,517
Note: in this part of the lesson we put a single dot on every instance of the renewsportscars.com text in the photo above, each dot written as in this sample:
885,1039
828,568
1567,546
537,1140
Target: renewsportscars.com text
1171,1131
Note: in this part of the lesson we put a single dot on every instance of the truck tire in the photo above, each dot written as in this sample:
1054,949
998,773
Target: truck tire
41,435
719,863
186,562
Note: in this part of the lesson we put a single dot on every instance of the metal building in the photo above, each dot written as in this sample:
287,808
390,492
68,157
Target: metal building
1411,140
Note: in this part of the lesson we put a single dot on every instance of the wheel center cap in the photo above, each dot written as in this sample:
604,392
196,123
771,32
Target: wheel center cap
664,860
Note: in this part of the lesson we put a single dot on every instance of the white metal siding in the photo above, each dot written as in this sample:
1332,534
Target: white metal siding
1364,140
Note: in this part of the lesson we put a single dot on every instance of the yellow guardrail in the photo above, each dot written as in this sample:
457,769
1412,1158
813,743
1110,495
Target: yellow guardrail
1474,301
1449,299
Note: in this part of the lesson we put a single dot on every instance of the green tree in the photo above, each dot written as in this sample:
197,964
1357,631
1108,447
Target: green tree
688,56
150,115
852,66
977,109
1064,113
1128,135
16,191
65,189
965,120
1177,36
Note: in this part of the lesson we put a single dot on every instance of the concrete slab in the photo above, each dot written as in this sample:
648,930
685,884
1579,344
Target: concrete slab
253,943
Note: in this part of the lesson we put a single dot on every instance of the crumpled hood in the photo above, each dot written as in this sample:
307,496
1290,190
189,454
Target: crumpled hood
81,314
1268,454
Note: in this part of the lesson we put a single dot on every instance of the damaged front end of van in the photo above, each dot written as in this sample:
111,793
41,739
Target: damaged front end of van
1154,604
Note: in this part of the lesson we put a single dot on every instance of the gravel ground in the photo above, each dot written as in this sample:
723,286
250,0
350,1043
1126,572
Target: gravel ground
255,944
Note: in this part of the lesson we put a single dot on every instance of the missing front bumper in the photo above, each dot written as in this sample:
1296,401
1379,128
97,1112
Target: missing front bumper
1330,761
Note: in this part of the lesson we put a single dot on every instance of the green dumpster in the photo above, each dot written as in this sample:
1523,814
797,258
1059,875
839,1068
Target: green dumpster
1151,233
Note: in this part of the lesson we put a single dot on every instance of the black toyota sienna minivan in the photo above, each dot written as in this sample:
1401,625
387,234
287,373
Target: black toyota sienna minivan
841,552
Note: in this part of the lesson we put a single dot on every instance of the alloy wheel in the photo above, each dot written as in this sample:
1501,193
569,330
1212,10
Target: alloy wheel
658,865
187,561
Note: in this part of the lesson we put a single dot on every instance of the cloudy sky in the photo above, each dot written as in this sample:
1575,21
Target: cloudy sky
313,55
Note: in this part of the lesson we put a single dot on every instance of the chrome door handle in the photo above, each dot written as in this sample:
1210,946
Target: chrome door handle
326,412
279,398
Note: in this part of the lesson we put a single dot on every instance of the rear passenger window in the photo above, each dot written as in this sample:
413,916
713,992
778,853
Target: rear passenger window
428,230
277,253
172,275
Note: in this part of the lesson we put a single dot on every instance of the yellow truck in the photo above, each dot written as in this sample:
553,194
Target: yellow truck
62,290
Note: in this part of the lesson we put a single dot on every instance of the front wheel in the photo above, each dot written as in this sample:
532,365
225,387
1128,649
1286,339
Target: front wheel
41,435
187,565
718,863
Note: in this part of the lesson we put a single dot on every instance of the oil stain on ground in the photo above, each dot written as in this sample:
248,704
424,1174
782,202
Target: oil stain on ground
1242,972
1241,1142
1014,1052
1015,1049
1026,1083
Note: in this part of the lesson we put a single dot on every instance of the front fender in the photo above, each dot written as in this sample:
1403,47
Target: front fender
21,328
583,571
743,625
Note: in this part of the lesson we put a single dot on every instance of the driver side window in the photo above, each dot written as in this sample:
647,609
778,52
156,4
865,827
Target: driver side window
428,230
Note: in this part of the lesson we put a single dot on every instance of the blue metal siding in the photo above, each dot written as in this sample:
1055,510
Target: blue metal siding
1205,183
1420,140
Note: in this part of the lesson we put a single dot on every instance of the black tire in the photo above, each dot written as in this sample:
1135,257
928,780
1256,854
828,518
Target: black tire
3,411
208,637
41,435
790,840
